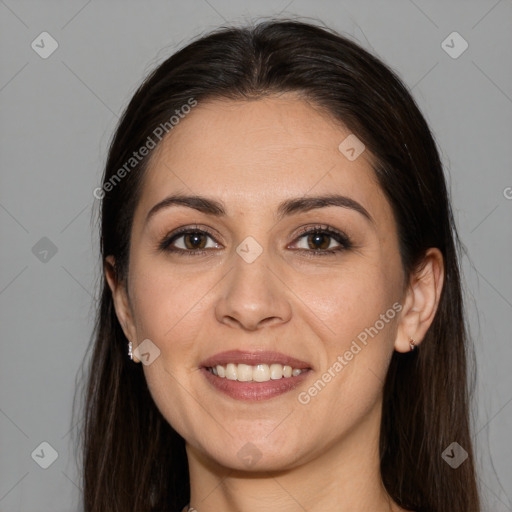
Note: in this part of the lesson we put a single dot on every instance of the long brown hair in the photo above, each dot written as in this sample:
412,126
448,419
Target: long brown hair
133,460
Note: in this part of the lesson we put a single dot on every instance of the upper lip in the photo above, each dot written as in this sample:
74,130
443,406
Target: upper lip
253,357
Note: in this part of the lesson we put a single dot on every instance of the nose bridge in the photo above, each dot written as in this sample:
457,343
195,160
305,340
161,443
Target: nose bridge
252,295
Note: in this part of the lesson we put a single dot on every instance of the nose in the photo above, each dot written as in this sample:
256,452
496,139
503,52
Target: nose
252,296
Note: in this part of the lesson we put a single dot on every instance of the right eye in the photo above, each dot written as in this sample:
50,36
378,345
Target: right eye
188,241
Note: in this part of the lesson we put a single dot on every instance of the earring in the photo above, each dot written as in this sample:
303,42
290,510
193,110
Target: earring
130,353
412,344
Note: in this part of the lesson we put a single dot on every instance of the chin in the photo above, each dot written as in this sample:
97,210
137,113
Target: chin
250,458
256,453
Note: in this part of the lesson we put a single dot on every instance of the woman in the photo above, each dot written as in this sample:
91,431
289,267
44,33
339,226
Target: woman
281,321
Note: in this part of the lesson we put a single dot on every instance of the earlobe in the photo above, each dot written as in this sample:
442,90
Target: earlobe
121,302
421,301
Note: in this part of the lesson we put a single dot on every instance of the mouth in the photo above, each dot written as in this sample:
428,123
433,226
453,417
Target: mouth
255,373
253,376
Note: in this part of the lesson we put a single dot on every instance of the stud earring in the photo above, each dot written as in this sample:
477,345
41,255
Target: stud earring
412,344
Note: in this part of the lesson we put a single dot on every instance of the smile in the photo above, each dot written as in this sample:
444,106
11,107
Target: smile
257,373
254,376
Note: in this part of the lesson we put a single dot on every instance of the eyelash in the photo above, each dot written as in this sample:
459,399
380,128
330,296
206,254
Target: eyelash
338,236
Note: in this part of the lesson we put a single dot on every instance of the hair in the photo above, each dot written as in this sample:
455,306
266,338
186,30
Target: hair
133,460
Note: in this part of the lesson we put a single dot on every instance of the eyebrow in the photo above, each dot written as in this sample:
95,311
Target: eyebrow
286,208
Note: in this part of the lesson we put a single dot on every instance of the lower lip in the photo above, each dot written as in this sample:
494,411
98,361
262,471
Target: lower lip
254,391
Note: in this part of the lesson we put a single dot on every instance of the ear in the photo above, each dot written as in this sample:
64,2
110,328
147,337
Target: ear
121,302
421,300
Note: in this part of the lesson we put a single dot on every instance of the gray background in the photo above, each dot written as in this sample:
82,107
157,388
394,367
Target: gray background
58,115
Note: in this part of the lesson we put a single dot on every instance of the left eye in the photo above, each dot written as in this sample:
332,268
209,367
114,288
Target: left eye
322,241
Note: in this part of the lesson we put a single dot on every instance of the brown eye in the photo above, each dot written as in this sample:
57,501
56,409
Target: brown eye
194,240
189,241
322,240
319,241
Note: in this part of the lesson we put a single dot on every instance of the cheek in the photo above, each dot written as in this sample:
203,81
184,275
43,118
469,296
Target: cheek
346,300
358,316
169,311
167,303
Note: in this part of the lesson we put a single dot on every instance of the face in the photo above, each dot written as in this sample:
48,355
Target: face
260,277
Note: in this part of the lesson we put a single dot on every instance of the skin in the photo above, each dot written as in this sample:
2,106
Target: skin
251,156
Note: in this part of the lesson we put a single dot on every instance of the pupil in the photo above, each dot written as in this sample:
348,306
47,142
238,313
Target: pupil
193,241
321,240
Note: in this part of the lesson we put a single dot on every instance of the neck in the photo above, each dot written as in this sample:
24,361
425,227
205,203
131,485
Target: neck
342,477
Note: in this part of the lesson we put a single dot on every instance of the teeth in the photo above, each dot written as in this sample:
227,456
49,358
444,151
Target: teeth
256,373
231,372
276,371
244,373
261,373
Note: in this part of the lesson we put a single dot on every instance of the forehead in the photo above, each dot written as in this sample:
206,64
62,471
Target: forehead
257,153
